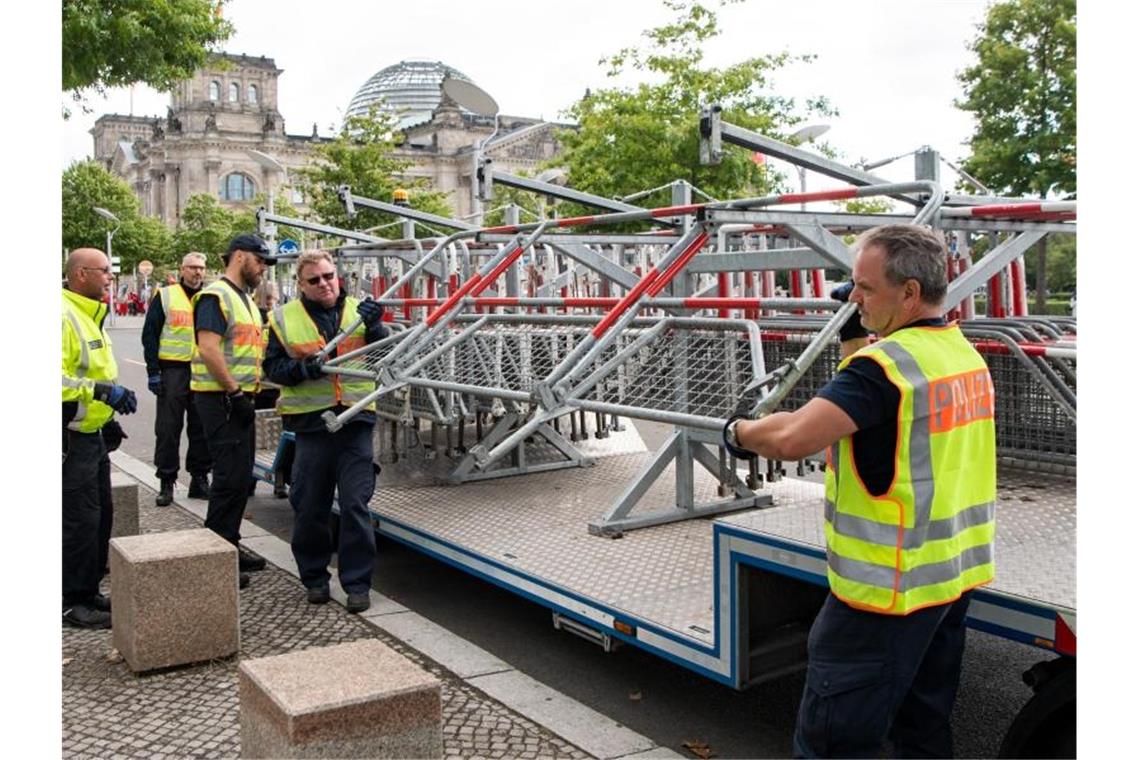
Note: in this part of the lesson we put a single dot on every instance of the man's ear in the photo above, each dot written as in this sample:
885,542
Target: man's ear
912,289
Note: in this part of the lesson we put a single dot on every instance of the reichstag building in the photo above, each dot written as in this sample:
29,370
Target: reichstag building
201,144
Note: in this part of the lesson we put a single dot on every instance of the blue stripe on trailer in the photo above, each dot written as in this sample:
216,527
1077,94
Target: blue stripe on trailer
1038,631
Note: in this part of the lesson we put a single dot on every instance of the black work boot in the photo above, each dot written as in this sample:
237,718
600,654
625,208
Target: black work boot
249,562
86,616
199,487
165,493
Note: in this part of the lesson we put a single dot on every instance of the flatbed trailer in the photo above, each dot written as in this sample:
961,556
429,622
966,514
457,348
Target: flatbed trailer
730,598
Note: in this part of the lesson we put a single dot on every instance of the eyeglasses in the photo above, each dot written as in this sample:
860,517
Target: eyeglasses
104,270
327,277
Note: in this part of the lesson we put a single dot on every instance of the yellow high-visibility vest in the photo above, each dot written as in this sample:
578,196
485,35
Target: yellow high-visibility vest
87,359
301,338
929,538
177,340
241,344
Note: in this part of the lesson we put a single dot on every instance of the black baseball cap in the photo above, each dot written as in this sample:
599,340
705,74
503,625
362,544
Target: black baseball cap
254,245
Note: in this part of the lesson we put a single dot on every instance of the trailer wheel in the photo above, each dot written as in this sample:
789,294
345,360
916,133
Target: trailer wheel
1047,725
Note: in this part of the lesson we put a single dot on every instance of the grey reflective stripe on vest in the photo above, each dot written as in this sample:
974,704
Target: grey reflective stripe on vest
80,371
921,467
886,534
883,576
281,322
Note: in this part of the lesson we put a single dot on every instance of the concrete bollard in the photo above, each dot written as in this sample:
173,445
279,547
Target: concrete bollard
175,598
125,499
359,699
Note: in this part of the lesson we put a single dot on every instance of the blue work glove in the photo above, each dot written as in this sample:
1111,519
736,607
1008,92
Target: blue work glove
154,384
121,399
853,327
370,311
311,367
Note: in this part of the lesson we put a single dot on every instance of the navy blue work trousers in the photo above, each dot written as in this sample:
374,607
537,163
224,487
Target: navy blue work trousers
87,515
174,405
324,462
874,677
231,448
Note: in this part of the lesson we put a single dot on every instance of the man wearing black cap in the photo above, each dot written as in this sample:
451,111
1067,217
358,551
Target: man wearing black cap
224,377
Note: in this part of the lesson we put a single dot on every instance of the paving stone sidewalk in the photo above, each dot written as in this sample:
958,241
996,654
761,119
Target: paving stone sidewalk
109,712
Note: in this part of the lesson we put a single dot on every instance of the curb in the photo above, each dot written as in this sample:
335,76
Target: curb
573,721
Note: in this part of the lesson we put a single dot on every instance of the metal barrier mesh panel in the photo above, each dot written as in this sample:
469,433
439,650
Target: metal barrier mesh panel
697,372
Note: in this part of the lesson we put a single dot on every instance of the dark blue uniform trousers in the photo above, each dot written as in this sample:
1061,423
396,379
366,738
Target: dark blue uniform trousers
231,448
87,515
324,462
872,677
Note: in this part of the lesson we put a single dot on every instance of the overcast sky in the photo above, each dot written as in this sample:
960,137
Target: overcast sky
888,66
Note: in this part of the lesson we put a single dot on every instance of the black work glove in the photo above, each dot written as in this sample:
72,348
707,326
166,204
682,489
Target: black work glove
121,399
853,327
239,408
154,384
311,367
370,311
733,449
113,435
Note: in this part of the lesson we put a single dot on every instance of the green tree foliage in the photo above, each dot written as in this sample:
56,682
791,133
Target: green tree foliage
87,185
361,157
636,138
114,43
206,226
1022,92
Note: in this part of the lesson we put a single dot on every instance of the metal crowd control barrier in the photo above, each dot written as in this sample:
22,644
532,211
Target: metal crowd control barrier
549,369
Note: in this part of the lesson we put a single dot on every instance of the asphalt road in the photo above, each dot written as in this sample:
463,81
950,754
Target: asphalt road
665,702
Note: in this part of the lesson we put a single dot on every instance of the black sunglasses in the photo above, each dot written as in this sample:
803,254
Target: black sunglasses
327,277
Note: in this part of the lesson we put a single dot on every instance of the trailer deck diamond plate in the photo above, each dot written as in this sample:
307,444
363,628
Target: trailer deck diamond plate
1034,551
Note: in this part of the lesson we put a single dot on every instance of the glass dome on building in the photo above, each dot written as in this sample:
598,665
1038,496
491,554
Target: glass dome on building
410,90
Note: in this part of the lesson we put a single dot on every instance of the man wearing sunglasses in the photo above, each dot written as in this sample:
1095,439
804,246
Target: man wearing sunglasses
224,378
324,461
91,396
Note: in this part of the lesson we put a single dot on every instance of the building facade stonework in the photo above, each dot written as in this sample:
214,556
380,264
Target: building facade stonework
231,106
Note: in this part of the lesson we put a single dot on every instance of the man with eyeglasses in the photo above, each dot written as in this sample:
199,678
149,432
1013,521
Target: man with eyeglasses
168,344
324,461
91,396
224,379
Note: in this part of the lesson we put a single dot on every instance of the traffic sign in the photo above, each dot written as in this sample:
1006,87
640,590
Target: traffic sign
145,268
288,246
115,261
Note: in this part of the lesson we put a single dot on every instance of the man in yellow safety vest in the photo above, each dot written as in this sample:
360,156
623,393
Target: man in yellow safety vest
91,396
168,345
224,378
908,426
326,462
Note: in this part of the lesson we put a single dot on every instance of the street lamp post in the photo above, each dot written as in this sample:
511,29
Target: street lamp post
802,135
269,162
110,260
474,99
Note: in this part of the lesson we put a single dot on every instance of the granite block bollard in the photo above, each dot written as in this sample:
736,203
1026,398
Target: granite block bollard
175,598
360,699
125,501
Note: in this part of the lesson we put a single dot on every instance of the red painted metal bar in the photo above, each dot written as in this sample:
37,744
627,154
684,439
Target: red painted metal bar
995,306
1017,278
453,299
628,300
722,291
681,262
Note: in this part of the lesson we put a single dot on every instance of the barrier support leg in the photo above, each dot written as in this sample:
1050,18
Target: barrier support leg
683,447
